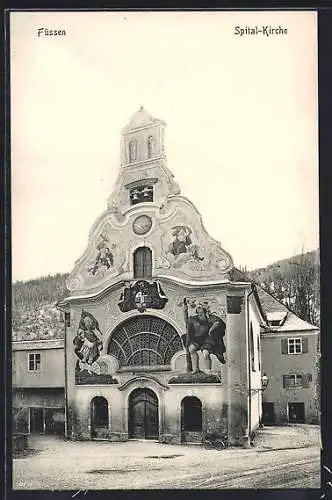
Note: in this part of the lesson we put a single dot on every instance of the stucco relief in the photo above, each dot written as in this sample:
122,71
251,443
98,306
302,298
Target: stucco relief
72,283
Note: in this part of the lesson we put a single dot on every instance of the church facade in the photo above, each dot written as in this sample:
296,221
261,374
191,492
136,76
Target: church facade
161,341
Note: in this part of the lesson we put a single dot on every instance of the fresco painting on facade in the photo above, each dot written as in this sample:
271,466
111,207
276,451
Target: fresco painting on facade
181,248
205,333
142,295
104,258
87,343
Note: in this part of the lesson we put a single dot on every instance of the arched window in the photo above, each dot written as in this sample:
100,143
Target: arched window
132,151
150,146
191,414
144,341
142,263
99,410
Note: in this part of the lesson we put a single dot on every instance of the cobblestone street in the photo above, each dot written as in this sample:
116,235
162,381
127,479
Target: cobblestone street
282,457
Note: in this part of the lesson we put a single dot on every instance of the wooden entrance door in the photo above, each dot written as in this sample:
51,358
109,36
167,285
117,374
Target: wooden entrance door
296,413
37,420
143,414
269,417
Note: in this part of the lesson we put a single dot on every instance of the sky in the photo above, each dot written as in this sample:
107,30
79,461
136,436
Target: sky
241,137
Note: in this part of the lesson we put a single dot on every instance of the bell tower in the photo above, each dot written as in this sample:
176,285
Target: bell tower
144,176
142,140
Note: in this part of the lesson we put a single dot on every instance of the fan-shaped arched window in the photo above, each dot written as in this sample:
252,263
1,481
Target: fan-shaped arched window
142,263
144,341
132,151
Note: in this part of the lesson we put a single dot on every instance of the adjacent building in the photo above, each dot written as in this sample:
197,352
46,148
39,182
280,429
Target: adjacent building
290,360
38,383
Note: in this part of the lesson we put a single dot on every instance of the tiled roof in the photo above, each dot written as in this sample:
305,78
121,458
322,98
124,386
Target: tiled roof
269,303
294,323
272,307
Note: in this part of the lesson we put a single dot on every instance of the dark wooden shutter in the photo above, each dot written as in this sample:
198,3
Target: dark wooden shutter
306,379
284,346
285,382
305,345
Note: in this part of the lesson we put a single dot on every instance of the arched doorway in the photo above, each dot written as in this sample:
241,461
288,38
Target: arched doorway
191,420
143,415
99,417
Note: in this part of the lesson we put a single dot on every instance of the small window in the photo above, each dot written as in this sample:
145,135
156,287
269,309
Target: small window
142,263
34,362
259,352
274,322
293,381
295,346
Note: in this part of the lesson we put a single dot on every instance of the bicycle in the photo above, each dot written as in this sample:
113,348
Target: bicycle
213,441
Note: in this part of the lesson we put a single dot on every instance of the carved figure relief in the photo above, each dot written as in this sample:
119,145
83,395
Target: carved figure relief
142,295
182,249
104,258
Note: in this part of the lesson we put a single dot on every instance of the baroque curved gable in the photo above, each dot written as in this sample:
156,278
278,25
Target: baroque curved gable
180,245
147,209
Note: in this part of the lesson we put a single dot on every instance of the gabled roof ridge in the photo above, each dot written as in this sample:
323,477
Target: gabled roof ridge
260,288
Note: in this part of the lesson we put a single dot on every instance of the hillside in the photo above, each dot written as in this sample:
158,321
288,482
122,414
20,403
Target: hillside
34,315
293,281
